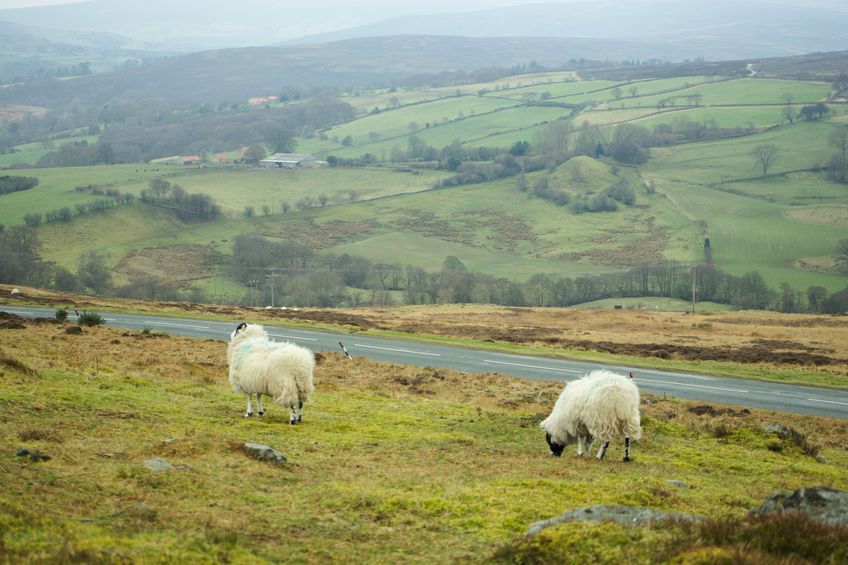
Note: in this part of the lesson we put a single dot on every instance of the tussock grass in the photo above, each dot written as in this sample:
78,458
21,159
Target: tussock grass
392,463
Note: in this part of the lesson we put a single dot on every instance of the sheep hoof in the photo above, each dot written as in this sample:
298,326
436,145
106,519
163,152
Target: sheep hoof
299,419
627,460
248,414
261,413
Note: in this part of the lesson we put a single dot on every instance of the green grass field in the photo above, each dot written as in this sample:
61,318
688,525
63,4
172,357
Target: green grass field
740,91
30,153
391,464
784,225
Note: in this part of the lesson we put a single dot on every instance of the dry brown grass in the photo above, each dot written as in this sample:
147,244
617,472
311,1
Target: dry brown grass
768,340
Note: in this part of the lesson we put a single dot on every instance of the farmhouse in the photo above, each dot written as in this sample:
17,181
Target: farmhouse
290,161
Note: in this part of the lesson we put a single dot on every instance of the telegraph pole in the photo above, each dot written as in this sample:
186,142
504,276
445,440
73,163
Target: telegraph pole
694,286
254,292
272,281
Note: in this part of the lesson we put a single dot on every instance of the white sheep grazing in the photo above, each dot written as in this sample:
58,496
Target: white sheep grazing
601,405
258,365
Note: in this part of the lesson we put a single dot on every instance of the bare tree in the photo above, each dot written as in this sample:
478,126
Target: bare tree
842,255
764,156
839,139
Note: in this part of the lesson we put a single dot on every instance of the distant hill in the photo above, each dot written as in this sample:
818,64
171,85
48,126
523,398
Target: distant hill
234,75
668,29
27,50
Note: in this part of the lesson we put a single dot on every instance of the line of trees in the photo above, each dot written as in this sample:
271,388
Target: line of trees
10,184
310,279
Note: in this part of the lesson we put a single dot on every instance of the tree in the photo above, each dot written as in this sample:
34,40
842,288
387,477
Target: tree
281,140
816,295
764,156
839,139
252,154
789,114
616,92
842,255
159,188
93,273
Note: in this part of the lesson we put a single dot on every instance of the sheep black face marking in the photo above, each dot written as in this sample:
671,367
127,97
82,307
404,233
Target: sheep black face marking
239,328
556,449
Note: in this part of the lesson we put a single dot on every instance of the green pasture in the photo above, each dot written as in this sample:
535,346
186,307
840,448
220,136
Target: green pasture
614,117
555,89
800,146
740,91
392,123
30,153
234,189
429,253
473,129
366,102
507,83
56,188
739,117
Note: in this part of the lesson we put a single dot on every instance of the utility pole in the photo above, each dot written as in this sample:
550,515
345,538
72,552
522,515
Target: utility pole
694,286
254,292
272,281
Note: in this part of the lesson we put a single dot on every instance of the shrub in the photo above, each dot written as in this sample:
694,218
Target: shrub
61,314
87,318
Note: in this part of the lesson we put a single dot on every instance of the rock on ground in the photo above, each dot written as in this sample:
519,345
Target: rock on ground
264,452
825,504
627,515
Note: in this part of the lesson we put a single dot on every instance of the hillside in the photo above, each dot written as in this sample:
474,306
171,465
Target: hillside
391,463
418,201
666,29
27,51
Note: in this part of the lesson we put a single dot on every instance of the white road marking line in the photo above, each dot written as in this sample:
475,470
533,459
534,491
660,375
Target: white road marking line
398,350
672,383
174,325
293,337
532,366
828,401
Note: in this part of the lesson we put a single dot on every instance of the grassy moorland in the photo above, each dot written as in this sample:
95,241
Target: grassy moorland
391,464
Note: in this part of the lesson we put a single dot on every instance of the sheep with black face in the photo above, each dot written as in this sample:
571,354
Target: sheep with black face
599,406
258,365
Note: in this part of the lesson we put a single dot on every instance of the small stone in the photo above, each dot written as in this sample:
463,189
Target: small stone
263,452
774,428
22,452
157,465
74,330
675,482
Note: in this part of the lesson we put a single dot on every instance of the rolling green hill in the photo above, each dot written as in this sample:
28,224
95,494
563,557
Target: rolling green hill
785,224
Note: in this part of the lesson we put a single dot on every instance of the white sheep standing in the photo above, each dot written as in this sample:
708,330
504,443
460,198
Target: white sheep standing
258,365
601,405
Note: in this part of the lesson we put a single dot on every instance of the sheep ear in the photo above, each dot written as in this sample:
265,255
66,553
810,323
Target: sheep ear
242,326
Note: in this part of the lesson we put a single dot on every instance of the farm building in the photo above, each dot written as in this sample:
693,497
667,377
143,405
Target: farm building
290,161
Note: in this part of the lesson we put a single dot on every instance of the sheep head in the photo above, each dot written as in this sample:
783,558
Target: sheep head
248,330
556,448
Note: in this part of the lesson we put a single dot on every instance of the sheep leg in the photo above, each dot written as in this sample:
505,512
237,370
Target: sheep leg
603,450
626,448
261,410
293,416
579,445
299,412
249,412
589,441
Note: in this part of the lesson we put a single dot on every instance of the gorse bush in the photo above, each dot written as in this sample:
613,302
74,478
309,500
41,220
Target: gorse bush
61,314
90,319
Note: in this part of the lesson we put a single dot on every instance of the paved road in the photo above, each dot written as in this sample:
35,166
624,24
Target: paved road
740,392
